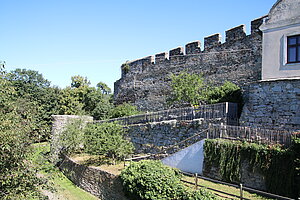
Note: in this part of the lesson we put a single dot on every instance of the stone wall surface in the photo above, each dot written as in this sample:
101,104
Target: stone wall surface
145,82
272,104
155,137
58,124
98,182
253,179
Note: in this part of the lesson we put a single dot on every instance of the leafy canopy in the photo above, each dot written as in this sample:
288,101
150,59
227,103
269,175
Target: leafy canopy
190,89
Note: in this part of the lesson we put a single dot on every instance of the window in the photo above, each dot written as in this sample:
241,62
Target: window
293,49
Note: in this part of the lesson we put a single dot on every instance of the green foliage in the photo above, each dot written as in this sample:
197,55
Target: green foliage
191,89
37,100
18,179
125,68
228,92
187,88
125,109
104,88
152,180
200,194
268,160
71,138
79,81
224,154
107,139
81,99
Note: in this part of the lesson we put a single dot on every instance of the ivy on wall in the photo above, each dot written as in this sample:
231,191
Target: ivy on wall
278,165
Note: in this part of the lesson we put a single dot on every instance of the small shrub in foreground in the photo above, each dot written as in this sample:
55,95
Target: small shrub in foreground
152,180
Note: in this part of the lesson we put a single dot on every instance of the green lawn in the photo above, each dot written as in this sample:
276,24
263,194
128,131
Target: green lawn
57,184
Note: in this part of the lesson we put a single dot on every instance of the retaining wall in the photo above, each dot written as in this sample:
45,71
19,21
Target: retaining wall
98,182
272,104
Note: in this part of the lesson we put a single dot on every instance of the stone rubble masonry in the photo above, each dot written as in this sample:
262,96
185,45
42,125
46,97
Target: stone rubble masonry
156,136
58,124
94,180
149,138
253,179
145,82
272,104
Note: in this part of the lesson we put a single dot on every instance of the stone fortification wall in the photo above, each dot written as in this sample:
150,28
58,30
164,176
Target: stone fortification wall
145,82
93,180
272,104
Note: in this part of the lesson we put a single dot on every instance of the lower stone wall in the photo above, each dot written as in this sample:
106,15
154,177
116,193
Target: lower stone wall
252,179
100,183
155,137
272,104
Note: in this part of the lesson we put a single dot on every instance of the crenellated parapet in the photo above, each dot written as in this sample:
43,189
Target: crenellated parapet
145,81
211,42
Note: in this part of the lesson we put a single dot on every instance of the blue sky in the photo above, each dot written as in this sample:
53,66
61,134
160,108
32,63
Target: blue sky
92,38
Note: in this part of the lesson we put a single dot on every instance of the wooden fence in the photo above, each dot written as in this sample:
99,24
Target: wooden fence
226,111
250,134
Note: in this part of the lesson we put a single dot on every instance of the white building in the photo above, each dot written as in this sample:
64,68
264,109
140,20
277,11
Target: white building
281,41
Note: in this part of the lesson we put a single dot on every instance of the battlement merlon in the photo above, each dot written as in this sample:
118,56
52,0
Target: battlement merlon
142,61
161,57
256,23
176,52
193,48
235,33
212,41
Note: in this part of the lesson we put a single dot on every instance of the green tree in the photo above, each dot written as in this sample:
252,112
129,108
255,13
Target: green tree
18,179
36,97
79,81
191,89
187,89
104,88
80,98
125,109
107,139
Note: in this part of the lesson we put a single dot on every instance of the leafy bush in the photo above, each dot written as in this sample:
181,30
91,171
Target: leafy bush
152,180
191,89
125,109
228,92
107,139
71,138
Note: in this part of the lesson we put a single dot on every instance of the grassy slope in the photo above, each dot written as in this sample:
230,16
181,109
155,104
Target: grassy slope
58,184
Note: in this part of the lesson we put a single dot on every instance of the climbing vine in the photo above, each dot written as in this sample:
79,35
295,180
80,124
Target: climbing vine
277,164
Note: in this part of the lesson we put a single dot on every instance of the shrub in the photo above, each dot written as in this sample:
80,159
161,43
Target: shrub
152,180
228,92
71,138
125,109
107,139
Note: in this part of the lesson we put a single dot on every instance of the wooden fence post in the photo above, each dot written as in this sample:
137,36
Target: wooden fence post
196,181
241,191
